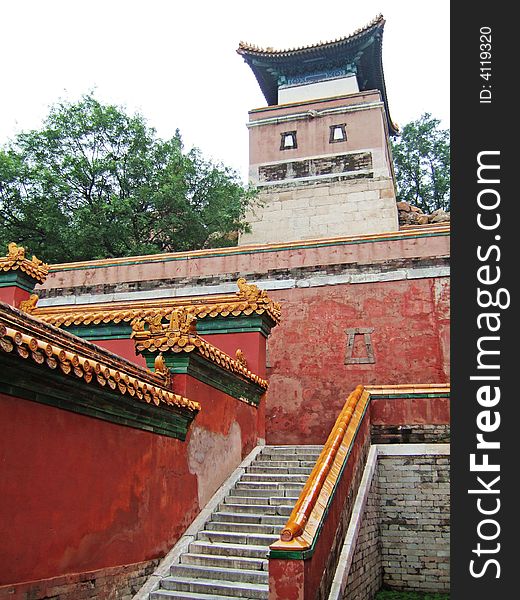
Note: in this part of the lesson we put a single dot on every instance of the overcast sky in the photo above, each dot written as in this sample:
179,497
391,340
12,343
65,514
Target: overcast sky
175,61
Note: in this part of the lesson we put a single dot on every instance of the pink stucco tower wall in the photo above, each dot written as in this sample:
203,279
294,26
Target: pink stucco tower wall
319,153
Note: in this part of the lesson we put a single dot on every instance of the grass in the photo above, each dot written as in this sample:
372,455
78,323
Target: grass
392,595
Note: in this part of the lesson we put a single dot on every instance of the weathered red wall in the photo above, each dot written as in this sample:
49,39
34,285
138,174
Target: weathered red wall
410,411
252,345
309,381
80,494
124,348
13,295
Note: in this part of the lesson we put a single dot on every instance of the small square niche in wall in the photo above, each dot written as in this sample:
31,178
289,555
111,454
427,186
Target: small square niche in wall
288,141
338,133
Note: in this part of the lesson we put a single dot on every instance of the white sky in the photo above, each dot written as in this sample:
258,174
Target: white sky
176,62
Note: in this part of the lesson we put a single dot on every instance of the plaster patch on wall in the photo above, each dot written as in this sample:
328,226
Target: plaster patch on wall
212,457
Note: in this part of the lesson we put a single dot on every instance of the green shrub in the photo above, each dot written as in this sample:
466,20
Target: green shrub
393,595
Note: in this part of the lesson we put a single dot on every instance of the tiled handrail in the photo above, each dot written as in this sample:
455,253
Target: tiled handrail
311,491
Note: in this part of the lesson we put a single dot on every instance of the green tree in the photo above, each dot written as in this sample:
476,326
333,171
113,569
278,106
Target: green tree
422,164
95,182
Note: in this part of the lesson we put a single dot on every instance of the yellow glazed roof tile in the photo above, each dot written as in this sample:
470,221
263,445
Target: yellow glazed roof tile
52,348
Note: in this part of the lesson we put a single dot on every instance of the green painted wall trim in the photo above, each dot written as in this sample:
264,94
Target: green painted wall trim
208,372
17,278
306,554
399,396
251,251
21,378
240,324
209,325
102,331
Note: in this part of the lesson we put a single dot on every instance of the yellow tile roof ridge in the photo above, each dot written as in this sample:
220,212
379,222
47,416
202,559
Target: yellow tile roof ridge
16,260
124,312
307,514
179,335
413,388
54,348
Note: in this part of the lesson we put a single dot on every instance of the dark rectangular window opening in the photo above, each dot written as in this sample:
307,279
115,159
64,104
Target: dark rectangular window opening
338,133
288,141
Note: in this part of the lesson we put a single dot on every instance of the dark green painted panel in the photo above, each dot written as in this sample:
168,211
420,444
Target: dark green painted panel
17,278
208,372
23,379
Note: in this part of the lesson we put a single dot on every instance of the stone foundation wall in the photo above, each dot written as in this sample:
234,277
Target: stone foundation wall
411,434
115,583
415,522
345,205
366,575
399,536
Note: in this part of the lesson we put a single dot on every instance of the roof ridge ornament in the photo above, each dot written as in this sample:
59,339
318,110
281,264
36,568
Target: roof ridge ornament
16,260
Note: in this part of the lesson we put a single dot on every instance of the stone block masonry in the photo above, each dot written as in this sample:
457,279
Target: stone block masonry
114,583
353,205
366,574
415,522
399,536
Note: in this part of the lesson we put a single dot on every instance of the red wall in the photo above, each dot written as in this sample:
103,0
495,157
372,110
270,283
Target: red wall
252,345
309,381
13,295
80,494
410,411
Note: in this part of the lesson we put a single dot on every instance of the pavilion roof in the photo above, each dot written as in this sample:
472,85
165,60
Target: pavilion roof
360,52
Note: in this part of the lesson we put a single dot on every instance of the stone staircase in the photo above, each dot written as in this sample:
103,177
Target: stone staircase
228,560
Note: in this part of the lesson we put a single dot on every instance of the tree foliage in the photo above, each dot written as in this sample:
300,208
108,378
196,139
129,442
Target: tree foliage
422,164
95,182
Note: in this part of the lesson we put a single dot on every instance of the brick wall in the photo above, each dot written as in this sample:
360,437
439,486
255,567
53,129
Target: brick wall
366,575
415,522
399,537
118,583
422,433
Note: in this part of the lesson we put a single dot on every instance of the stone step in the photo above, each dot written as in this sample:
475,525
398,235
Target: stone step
272,477
225,562
266,509
180,595
292,449
228,574
276,457
270,529
217,587
279,470
235,537
263,493
269,485
286,464
240,550
228,559
275,500
231,517
294,454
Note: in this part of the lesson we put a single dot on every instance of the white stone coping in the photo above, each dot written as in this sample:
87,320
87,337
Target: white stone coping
189,536
336,110
265,284
339,582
